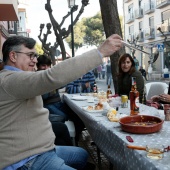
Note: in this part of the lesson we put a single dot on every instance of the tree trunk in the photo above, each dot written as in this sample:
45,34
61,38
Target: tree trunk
112,25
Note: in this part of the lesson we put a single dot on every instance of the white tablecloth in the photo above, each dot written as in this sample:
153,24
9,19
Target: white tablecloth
111,140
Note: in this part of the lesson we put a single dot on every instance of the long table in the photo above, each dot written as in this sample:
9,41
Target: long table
111,140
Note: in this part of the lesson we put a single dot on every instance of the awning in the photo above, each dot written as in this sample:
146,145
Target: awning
9,10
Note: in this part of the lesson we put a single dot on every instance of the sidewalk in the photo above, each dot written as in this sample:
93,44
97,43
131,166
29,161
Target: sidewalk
101,83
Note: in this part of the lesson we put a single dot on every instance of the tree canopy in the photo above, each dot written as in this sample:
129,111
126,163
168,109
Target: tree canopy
89,31
38,49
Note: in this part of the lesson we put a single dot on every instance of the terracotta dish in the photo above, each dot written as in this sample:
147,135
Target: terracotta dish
141,124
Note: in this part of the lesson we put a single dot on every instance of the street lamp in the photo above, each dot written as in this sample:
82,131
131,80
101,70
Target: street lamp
71,4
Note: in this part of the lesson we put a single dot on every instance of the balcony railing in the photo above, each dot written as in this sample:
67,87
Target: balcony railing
130,37
22,33
10,31
4,31
19,28
162,3
12,27
140,36
127,1
25,2
130,18
139,13
149,33
149,7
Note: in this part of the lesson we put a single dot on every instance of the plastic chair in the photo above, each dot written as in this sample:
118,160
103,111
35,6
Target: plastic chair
155,88
72,131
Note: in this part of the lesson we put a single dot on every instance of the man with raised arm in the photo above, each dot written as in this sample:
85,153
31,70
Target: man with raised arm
27,139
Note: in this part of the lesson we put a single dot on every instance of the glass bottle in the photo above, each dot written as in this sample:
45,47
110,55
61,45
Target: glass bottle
95,90
108,91
134,98
144,97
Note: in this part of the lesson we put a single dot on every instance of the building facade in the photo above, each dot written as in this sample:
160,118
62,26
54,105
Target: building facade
8,13
22,24
147,26
13,19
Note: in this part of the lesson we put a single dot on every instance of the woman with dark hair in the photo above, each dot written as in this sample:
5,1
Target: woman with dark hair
1,64
126,71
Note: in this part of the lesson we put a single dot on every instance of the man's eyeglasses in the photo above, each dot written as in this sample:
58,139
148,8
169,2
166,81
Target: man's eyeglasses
32,55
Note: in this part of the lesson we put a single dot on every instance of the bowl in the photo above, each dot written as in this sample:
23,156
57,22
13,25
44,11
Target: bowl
141,124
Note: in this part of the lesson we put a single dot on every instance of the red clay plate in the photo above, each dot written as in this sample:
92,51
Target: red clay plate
141,124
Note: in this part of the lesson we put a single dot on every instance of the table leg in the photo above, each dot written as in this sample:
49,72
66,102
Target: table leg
110,166
99,158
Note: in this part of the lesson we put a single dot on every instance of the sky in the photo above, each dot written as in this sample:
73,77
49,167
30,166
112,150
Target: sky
37,14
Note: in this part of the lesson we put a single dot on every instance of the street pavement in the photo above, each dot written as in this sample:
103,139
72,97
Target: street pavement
102,86
101,83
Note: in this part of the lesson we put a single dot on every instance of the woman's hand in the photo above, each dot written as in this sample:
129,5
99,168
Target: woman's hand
165,98
155,98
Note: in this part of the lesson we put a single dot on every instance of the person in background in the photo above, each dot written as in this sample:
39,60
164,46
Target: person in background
87,82
126,72
143,72
108,73
52,101
150,69
99,70
27,138
136,62
81,85
103,70
73,87
95,72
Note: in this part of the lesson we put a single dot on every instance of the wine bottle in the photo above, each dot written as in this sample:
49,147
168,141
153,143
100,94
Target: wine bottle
95,90
144,97
134,98
108,91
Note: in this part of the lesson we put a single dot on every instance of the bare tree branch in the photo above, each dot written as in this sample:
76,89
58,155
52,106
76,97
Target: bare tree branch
60,33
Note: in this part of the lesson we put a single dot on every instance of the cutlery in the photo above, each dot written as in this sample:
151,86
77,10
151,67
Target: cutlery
144,148
136,147
134,48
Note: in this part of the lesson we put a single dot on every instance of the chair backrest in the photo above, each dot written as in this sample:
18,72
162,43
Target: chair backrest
155,88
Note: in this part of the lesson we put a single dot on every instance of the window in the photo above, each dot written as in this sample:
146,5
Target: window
151,22
166,17
130,8
140,25
131,30
140,3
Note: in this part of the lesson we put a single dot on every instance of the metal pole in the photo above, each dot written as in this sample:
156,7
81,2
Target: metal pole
161,53
72,33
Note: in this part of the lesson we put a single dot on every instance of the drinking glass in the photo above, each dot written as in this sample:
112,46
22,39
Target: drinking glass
155,151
